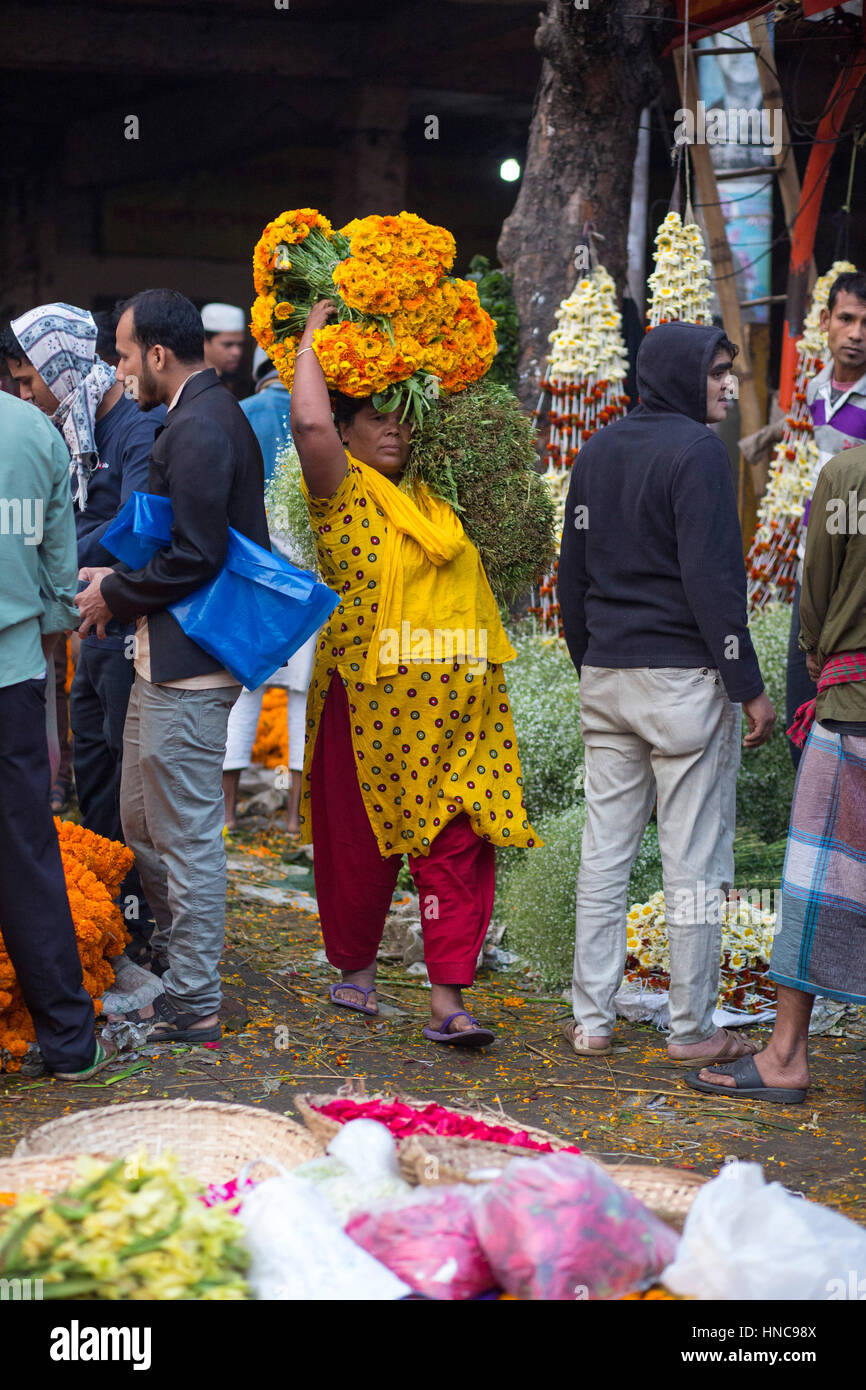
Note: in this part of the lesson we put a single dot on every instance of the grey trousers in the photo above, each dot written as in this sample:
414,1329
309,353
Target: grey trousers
172,810
673,733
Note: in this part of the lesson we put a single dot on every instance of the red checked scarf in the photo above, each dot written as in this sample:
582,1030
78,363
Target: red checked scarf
837,670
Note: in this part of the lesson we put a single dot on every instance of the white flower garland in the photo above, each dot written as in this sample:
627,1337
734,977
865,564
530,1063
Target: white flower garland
772,558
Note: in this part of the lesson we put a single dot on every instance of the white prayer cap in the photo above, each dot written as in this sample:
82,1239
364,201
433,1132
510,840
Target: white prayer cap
223,318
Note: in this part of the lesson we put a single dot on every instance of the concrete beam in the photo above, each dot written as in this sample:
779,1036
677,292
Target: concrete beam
114,38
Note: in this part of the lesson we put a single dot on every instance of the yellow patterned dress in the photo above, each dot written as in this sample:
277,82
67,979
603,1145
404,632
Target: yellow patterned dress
432,737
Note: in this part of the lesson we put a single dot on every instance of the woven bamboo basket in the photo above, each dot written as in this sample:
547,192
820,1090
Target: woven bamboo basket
41,1173
211,1141
323,1128
432,1159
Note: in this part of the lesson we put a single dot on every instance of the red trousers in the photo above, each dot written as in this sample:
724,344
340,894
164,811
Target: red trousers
355,884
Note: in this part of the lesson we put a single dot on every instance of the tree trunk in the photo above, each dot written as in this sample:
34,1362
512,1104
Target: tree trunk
599,72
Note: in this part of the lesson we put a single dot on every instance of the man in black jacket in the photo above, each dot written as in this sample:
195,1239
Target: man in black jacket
652,592
207,460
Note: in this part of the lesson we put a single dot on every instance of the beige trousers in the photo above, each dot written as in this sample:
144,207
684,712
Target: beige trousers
671,733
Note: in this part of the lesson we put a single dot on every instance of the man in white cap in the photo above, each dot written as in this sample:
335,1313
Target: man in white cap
224,333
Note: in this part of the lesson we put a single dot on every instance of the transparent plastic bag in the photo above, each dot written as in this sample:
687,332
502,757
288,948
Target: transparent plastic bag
560,1228
429,1241
747,1239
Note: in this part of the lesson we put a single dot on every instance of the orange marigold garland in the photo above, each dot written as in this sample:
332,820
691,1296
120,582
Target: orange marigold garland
581,392
271,747
94,869
405,327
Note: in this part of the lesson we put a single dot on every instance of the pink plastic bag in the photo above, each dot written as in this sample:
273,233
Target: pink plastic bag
559,1228
428,1241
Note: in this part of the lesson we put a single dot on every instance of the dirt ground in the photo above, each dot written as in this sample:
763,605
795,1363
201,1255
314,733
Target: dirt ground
282,1037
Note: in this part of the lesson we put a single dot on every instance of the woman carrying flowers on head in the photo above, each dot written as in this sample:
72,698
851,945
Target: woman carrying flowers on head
410,742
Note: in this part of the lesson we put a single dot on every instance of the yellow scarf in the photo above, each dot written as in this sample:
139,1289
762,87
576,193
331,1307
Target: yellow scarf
448,585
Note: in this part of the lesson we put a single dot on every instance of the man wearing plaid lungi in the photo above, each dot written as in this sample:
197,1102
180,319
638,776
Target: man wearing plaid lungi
820,944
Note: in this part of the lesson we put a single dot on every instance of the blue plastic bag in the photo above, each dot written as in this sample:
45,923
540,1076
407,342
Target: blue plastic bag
140,529
252,616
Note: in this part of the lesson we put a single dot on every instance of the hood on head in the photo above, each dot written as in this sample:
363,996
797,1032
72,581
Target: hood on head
673,363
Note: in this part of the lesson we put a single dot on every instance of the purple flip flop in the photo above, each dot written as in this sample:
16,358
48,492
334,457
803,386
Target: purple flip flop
476,1036
355,1008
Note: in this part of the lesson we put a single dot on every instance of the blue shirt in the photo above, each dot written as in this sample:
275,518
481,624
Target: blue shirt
124,439
268,413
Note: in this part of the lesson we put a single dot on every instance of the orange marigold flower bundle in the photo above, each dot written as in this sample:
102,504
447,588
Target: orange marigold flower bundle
94,868
405,328
271,747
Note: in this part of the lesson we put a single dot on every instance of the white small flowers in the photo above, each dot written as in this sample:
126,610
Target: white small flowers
772,560
680,284
747,935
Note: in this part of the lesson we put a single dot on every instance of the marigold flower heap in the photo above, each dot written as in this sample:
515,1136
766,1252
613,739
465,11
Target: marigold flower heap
580,393
405,328
94,868
772,560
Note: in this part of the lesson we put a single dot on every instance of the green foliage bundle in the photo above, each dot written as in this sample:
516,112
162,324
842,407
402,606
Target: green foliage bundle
765,786
476,450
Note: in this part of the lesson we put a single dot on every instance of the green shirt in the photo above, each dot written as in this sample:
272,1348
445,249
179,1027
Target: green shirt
38,552
833,599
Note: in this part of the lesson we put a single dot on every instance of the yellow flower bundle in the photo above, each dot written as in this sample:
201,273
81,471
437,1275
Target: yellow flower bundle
405,327
94,868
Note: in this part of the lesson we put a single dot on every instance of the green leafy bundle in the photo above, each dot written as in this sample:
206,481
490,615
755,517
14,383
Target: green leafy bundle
495,294
476,451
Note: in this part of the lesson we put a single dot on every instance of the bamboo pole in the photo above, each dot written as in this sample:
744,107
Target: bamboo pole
726,289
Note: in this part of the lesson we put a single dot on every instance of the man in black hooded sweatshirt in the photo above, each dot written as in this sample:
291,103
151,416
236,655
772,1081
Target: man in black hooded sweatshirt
652,591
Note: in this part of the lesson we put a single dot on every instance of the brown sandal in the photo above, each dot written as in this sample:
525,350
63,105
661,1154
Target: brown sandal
571,1032
742,1047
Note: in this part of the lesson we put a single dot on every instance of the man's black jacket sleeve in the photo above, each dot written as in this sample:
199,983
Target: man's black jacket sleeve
572,582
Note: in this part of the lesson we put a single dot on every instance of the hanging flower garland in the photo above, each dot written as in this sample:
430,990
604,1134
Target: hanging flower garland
680,283
772,560
405,329
582,392
94,869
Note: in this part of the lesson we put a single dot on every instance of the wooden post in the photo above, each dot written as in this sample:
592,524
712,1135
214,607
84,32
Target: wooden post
787,179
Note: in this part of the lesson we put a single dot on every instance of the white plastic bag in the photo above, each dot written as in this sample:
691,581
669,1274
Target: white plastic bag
133,988
745,1239
359,1169
298,1250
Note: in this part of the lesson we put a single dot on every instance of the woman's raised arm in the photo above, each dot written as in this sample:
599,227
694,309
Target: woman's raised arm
322,456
